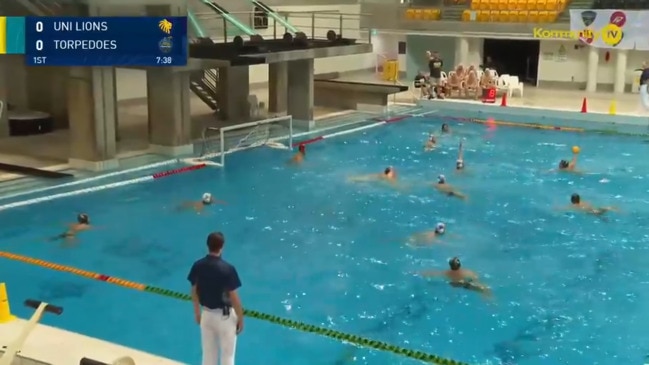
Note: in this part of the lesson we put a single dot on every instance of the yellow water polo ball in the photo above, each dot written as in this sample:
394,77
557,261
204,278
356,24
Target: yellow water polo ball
575,149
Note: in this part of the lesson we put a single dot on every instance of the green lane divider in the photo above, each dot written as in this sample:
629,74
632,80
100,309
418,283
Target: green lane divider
337,335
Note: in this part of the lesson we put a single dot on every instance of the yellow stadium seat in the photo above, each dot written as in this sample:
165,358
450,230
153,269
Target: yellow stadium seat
511,5
410,14
531,5
503,4
466,15
521,5
533,16
428,14
544,17
561,5
483,16
541,4
475,4
503,17
437,14
493,5
552,16
551,5
419,14
522,16
493,15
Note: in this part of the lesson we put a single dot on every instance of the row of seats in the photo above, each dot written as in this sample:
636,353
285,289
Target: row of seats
423,14
510,16
622,4
519,5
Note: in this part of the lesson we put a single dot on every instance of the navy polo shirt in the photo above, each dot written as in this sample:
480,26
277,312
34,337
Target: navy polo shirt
214,278
644,78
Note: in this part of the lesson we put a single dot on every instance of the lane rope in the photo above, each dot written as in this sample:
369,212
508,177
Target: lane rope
91,179
352,130
102,187
300,326
513,124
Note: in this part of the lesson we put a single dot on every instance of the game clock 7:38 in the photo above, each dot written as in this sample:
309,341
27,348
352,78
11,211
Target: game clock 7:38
164,60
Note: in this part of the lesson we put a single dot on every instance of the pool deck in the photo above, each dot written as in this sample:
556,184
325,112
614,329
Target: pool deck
49,345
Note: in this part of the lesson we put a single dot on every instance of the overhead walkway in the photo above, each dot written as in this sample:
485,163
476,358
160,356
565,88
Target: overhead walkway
229,18
278,18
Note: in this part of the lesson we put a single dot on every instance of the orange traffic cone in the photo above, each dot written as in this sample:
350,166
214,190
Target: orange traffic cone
584,106
503,101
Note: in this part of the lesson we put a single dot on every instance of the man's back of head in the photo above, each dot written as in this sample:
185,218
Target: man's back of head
215,242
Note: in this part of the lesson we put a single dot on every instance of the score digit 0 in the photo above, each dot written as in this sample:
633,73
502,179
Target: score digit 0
39,45
39,27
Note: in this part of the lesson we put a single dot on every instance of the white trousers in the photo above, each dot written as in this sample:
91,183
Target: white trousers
218,336
644,96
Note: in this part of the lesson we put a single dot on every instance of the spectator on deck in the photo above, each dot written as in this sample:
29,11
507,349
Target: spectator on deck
217,306
644,77
435,64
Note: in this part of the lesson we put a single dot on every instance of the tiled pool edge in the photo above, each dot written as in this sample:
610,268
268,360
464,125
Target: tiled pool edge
588,121
48,345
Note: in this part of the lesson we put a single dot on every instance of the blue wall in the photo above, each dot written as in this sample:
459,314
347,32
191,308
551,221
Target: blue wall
416,47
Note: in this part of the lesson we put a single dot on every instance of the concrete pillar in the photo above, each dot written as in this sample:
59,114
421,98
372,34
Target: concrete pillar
277,87
591,69
300,91
462,50
170,124
91,110
233,90
621,57
44,93
4,91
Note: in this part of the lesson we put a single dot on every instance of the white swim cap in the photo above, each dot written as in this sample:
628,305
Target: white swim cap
440,228
207,198
441,179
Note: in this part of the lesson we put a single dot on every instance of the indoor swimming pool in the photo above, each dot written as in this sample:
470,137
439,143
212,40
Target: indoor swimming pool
313,246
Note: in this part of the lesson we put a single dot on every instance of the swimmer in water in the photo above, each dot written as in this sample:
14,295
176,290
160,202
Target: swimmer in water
82,224
389,175
198,206
460,278
448,189
431,143
569,166
429,236
579,205
446,129
298,158
459,163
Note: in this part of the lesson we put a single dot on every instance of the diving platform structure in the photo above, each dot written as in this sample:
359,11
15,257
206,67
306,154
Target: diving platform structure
225,42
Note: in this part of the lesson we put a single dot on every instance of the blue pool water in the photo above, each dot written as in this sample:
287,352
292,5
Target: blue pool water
311,246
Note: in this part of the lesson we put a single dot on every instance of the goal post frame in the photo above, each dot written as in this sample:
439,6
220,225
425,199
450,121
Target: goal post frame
224,130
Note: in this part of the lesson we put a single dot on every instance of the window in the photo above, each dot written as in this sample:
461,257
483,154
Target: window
261,18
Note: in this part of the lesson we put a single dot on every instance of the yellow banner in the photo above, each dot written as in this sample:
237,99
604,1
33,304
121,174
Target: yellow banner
3,35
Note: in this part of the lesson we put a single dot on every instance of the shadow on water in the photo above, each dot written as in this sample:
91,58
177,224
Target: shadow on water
55,291
530,340
407,313
156,260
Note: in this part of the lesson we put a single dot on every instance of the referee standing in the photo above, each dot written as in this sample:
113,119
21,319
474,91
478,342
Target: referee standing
217,306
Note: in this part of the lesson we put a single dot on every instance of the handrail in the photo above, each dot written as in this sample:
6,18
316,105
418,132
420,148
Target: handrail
195,25
271,13
227,16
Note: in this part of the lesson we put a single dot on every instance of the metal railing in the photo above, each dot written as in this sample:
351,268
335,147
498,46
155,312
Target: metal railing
314,24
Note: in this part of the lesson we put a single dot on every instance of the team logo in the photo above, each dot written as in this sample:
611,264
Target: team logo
618,18
165,26
588,17
166,44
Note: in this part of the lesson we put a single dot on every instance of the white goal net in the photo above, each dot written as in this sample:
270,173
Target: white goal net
218,142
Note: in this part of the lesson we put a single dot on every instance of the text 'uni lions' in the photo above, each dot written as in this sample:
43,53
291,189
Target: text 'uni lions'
81,26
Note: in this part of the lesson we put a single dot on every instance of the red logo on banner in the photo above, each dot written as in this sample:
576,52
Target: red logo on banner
618,18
